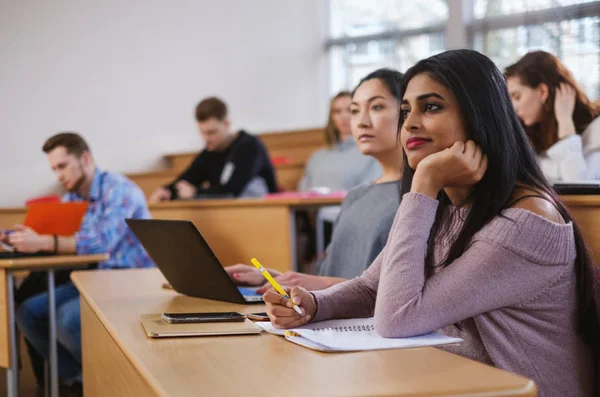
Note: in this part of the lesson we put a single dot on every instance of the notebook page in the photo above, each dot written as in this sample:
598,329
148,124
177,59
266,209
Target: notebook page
268,327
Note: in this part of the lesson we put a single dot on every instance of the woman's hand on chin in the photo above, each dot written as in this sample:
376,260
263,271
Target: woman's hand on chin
463,164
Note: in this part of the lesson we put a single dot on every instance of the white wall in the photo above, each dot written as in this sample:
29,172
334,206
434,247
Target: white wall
128,74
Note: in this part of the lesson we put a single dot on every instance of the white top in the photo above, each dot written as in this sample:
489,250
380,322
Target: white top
575,158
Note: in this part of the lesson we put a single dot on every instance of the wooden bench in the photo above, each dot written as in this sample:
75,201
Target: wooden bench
289,150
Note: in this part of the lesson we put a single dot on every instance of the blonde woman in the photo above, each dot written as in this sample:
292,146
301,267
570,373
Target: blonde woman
340,166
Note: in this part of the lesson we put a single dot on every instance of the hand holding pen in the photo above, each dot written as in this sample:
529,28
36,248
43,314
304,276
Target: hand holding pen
287,307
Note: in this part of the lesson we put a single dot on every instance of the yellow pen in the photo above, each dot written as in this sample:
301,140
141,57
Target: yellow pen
275,284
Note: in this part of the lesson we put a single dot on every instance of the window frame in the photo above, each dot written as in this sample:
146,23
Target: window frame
539,17
461,27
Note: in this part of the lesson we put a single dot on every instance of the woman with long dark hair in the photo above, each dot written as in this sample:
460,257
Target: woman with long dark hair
481,247
560,120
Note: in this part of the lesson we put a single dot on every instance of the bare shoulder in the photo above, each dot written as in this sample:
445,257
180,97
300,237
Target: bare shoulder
537,202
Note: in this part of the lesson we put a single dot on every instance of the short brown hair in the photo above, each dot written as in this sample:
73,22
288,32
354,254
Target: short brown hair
211,107
71,141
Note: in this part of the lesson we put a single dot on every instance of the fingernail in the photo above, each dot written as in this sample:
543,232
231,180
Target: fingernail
308,316
296,300
236,275
288,304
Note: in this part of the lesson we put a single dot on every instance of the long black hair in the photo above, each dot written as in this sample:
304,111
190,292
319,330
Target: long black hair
490,121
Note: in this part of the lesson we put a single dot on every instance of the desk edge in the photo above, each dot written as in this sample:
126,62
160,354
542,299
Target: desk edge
113,334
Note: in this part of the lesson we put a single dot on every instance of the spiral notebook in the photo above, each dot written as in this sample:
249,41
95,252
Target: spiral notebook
355,334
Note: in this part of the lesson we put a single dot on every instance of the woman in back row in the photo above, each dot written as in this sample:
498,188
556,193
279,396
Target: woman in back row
481,247
341,165
559,119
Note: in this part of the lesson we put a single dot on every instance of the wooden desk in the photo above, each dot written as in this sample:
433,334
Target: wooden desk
239,229
119,360
9,217
8,339
236,229
586,211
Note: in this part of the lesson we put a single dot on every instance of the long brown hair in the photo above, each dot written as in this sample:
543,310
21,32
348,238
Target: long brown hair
539,67
332,135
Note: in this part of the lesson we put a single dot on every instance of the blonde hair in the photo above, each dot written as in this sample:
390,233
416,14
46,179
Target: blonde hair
332,135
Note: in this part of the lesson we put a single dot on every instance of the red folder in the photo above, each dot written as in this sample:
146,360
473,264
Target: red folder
63,219
54,198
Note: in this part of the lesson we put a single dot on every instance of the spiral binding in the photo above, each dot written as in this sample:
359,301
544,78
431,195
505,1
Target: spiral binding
346,328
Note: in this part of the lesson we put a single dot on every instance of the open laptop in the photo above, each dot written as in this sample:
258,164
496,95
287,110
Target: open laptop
187,261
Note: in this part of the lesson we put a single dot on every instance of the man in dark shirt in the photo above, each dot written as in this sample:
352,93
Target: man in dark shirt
231,165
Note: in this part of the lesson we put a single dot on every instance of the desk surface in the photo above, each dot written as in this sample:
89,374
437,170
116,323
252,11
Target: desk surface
237,366
51,261
592,200
233,202
569,200
276,201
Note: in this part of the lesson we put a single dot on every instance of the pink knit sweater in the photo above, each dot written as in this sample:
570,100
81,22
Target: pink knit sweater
511,293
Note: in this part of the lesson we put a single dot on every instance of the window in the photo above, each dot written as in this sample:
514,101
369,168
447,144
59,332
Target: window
366,35
491,8
505,30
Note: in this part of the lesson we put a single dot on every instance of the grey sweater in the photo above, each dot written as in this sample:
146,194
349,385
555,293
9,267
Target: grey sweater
361,229
341,167
512,292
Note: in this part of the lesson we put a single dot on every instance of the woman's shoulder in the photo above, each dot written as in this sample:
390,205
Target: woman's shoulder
379,193
532,227
590,137
536,202
355,194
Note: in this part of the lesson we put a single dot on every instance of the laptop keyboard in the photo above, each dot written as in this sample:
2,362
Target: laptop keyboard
246,291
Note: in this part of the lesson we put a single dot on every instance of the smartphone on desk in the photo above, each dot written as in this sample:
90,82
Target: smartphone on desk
214,317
